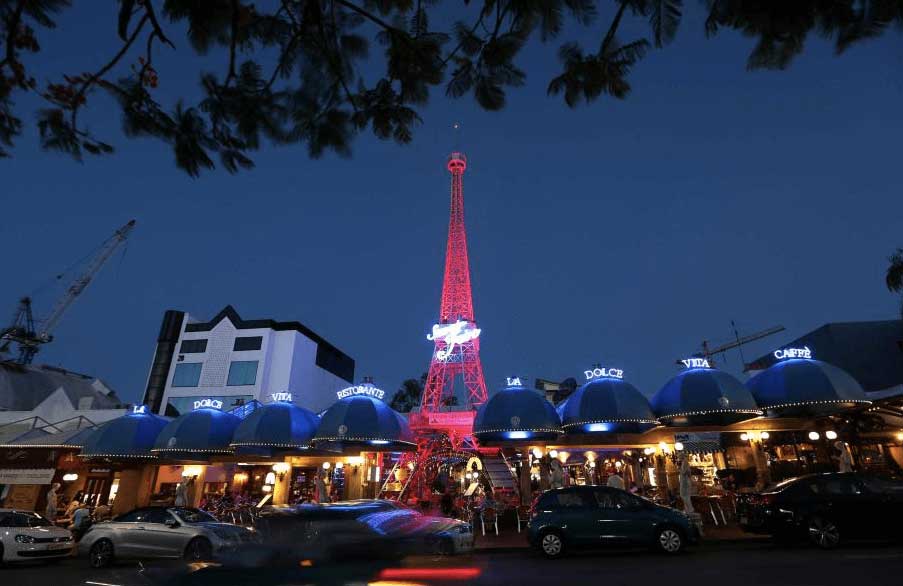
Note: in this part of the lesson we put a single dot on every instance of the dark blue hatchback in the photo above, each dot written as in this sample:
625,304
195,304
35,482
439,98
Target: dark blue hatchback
592,516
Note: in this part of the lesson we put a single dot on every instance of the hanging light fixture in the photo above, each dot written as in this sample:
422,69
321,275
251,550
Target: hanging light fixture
814,435
831,434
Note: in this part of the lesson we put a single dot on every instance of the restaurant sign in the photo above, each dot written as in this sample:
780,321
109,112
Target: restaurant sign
208,404
26,475
786,353
365,389
603,373
696,363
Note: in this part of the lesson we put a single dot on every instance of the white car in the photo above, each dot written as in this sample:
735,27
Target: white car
25,536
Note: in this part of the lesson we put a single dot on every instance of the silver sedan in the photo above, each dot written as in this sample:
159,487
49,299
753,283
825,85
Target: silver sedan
161,532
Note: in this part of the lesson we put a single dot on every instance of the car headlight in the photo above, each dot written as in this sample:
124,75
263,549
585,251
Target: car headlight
24,539
464,529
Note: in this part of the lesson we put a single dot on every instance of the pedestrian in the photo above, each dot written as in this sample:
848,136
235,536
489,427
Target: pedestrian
845,463
51,510
447,504
556,474
685,484
322,493
615,480
181,499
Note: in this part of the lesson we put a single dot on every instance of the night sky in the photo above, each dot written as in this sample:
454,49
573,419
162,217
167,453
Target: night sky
620,232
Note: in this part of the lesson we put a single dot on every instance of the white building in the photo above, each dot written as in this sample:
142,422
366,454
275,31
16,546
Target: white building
233,361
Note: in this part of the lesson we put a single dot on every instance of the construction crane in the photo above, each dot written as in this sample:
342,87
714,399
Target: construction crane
22,330
708,352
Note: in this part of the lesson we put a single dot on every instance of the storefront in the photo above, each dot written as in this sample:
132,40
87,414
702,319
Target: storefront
29,466
121,467
362,427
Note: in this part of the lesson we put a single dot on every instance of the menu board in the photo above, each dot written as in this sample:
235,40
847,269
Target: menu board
22,497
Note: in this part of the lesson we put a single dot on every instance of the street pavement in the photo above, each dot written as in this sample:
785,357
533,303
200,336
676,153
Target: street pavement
731,564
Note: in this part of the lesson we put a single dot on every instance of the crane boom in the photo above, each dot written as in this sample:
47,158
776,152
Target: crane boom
708,353
745,340
83,280
22,330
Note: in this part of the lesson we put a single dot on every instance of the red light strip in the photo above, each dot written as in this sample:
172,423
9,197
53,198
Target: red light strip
429,573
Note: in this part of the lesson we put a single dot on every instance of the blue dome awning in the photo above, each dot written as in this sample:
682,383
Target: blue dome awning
199,432
130,436
704,396
516,413
280,426
799,387
607,405
365,420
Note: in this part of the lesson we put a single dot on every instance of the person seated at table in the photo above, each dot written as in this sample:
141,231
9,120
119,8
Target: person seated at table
488,501
81,520
102,513
73,504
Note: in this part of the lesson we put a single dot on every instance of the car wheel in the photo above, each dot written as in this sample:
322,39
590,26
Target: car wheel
198,549
551,544
669,540
443,546
101,553
823,533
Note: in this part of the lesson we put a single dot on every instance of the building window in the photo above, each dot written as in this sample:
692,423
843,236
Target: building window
193,346
247,343
242,372
187,374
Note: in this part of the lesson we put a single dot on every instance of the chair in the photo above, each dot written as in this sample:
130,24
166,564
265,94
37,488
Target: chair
523,516
489,516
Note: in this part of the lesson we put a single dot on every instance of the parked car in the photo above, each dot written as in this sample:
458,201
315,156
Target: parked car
161,532
825,508
587,516
25,535
375,529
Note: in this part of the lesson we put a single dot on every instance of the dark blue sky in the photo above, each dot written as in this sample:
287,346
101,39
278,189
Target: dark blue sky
621,232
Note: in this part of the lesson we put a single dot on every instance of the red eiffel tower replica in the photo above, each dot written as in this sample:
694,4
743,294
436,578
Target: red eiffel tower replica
445,430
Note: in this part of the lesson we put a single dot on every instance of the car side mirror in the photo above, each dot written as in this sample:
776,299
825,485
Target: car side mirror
171,523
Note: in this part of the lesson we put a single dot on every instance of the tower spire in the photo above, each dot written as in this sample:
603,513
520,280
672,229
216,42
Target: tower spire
456,336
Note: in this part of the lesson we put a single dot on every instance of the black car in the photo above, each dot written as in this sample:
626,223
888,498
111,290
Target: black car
825,508
358,530
593,516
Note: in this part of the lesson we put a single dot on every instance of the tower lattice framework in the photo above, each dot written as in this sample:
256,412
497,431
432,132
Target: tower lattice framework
456,337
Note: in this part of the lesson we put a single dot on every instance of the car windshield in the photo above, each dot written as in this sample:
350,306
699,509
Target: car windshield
194,516
20,519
